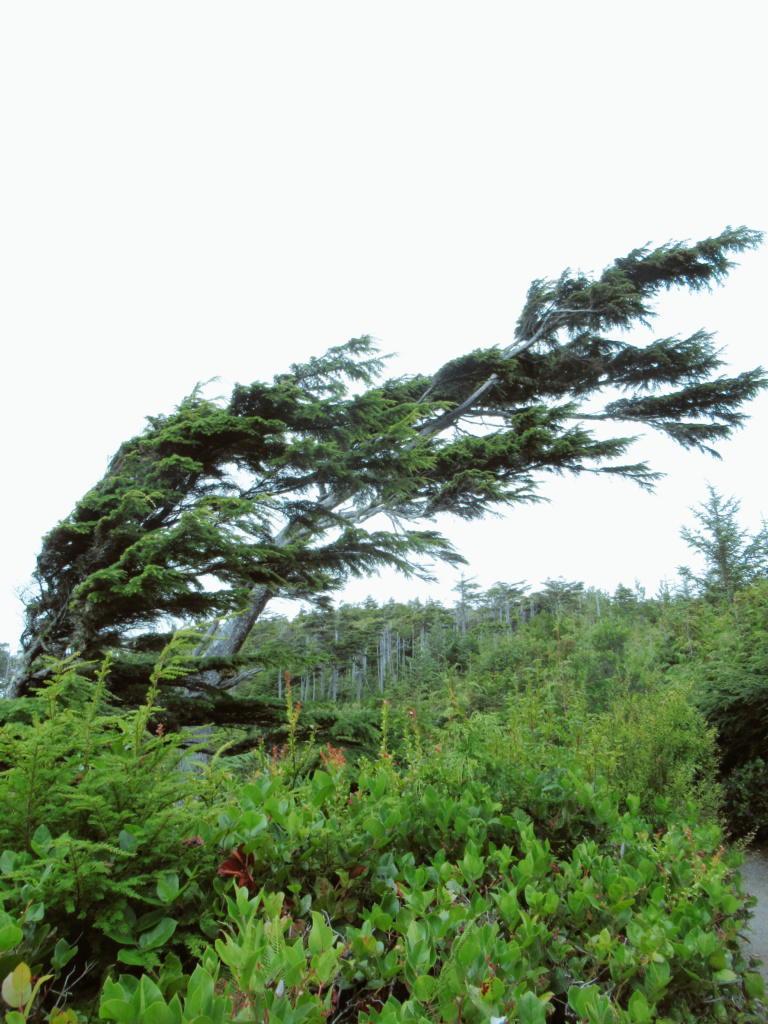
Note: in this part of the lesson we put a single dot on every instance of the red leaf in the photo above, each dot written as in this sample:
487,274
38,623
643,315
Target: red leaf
237,867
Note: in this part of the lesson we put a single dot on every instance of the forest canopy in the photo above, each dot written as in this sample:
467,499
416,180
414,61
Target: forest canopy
215,508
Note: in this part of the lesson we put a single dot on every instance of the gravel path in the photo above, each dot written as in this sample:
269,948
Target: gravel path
754,874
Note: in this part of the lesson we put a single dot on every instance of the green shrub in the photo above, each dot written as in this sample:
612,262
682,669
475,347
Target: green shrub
101,830
497,867
746,798
666,749
425,917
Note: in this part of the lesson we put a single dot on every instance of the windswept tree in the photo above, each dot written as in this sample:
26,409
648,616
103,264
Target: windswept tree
216,508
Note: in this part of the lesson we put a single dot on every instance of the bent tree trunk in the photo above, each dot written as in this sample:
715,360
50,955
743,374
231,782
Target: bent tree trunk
234,631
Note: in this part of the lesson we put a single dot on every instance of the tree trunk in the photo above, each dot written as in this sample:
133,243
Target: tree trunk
234,631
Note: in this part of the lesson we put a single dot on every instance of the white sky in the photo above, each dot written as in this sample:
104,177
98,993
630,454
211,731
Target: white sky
194,190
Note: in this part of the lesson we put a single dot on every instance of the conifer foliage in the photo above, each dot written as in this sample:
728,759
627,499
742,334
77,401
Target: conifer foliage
733,558
216,507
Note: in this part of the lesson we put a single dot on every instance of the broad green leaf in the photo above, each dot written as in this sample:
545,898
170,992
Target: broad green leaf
123,937
322,787
393,818
414,933
729,904
530,1009
252,822
638,1007
116,1009
159,935
41,840
430,800
325,965
126,841
551,902
725,977
17,986
320,936
130,956
576,999
149,992
7,862
147,921
62,1017
168,887
718,960
62,954
379,786
381,920
374,827
424,987
199,992
35,912
10,936
754,985
705,943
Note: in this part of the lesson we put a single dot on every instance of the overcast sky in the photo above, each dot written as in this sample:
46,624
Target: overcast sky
195,190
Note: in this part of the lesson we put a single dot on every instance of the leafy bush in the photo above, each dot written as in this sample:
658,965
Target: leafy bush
101,831
666,749
746,798
731,687
425,917
497,867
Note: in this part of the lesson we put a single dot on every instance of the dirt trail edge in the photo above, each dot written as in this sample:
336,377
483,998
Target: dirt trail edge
754,874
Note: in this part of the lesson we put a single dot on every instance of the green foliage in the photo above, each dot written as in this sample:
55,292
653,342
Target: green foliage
483,864
28,947
639,662
170,510
95,811
746,797
667,752
732,557
731,689
442,909
269,492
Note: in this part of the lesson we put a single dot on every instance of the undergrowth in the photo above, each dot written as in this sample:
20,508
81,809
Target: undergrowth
533,862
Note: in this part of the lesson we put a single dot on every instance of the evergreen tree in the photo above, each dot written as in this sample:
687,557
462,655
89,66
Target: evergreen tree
502,603
6,663
468,592
560,595
733,558
216,508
